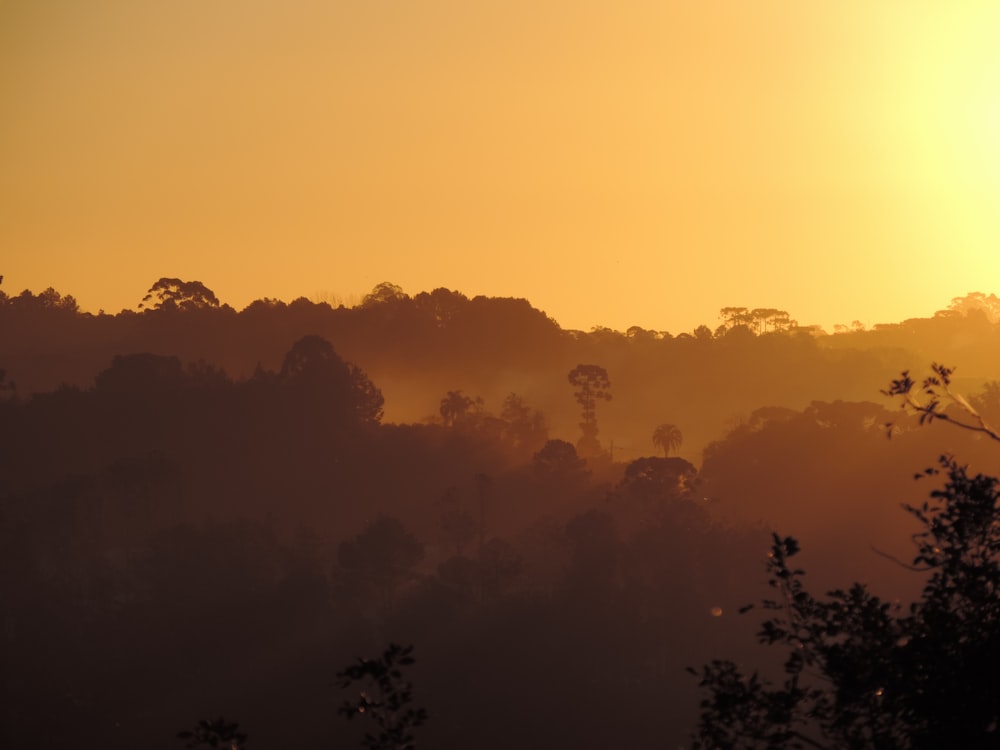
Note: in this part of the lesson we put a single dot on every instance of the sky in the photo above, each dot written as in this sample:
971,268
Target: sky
616,163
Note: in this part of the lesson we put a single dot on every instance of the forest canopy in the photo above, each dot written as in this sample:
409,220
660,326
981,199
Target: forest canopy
239,503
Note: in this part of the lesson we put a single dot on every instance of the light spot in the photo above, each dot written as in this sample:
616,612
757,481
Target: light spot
716,611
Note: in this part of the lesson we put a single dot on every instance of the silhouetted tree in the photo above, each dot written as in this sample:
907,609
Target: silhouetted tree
384,293
456,408
667,437
592,385
315,370
863,673
975,301
525,427
735,316
558,462
217,733
174,294
659,477
457,524
702,333
142,374
382,556
385,697
933,398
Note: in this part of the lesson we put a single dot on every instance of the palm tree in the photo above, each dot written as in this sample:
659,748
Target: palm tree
667,437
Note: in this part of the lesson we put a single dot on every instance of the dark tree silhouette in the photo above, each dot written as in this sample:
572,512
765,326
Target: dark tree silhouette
932,399
456,408
524,427
558,462
314,369
140,375
382,556
860,672
384,293
863,673
457,524
217,733
667,437
174,294
386,697
592,385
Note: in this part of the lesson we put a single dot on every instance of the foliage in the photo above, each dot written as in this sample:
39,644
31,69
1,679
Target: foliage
864,673
214,733
314,370
667,437
457,408
592,384
759,320
175,294
384,293
382,556
932,398
386,697
860,672
559,462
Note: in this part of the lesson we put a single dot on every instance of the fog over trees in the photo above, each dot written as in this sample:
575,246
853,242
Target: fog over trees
208,514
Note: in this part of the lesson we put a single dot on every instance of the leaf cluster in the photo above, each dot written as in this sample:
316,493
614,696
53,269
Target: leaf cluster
386,697
860,672
931,398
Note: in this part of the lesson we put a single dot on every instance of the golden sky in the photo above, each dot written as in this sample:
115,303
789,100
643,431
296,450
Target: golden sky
617,163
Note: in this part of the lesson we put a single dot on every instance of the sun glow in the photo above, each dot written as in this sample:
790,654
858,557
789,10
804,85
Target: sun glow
645,164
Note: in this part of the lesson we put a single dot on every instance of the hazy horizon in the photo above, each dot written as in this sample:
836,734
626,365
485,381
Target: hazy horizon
355,298
637,164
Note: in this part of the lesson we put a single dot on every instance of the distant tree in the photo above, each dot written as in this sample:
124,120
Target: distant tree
649,491
457,524
769,318
457,408
988,304
141,374
638,333
660,477
667,437
314,369
47,300
558,461
384,293
382,556
702,333
986,403
524,427
499,566
592,385
385,697
735,316
216,733
442,305
174,294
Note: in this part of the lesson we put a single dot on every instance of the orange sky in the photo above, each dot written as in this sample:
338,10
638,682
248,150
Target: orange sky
616,163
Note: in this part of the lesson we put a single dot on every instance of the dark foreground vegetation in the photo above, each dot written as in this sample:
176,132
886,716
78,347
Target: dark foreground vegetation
206,512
